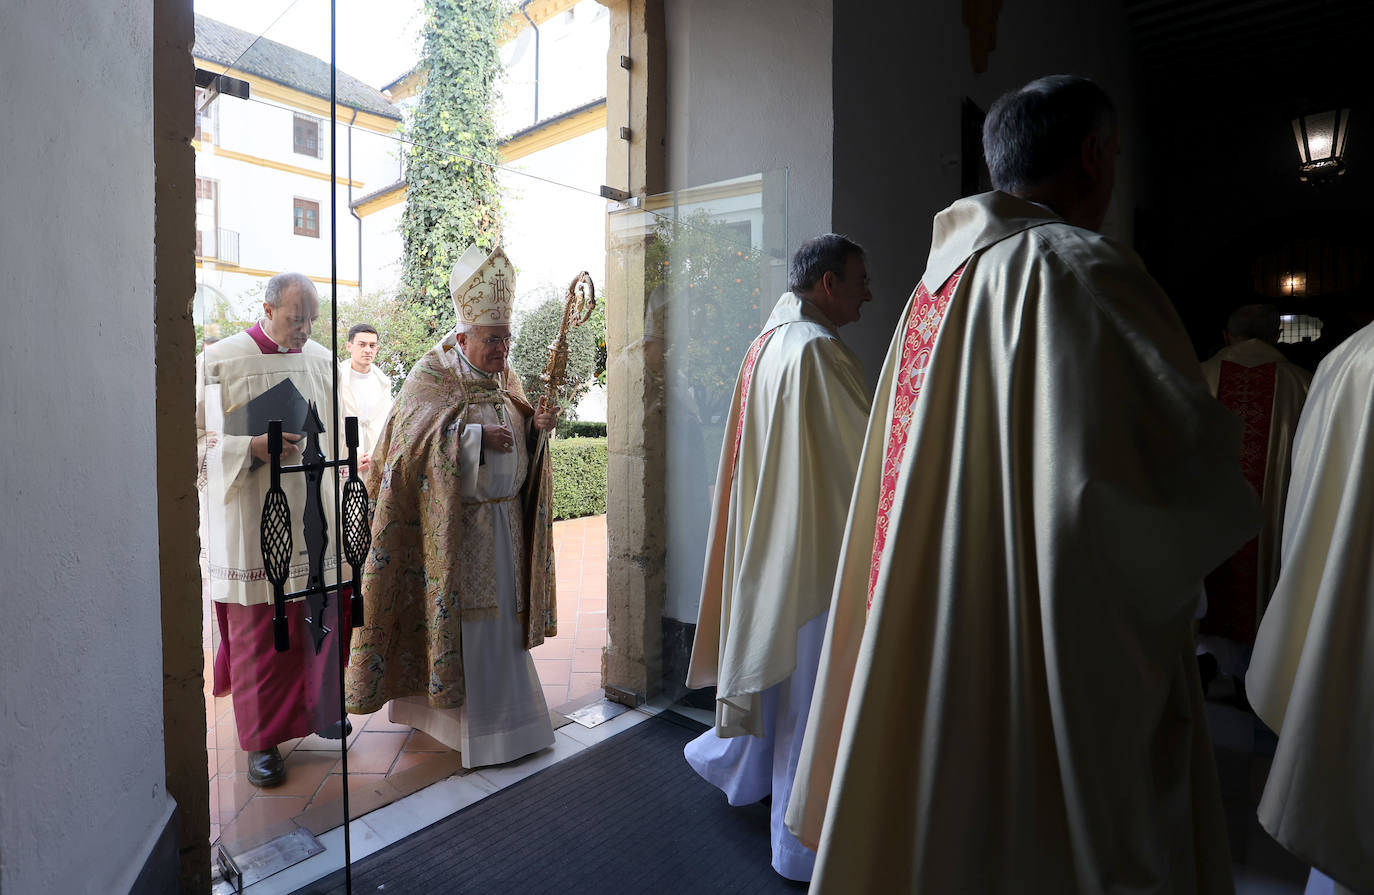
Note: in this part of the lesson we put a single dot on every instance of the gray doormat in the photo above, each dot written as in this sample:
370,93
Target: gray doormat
625,816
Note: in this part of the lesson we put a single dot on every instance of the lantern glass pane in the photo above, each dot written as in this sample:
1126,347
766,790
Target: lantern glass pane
1343,130
1321,135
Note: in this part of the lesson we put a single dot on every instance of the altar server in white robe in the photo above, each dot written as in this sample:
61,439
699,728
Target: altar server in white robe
1257,383
1311,678
364,390
459,584
1044,484
792,443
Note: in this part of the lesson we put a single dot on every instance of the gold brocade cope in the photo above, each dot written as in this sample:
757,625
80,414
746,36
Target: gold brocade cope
430,567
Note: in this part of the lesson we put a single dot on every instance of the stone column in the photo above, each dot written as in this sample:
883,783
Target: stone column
183,682
636,536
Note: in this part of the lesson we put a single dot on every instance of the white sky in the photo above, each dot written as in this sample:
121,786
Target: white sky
379,40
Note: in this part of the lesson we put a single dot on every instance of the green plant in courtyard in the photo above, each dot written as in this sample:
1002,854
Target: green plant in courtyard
530,352
452,197
579,477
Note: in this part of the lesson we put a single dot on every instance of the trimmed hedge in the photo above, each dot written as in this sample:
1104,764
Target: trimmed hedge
579,477
581,429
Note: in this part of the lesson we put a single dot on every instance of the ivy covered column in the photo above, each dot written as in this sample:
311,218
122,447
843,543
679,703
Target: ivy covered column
635,500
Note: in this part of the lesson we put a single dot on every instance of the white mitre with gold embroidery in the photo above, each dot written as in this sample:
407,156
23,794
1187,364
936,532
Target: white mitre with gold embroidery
483,287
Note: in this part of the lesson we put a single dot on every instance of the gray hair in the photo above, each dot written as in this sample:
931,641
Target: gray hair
1255,322
278,285
1030,134
828,253
460,327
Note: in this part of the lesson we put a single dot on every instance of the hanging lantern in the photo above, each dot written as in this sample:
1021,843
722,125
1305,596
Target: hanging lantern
1321,143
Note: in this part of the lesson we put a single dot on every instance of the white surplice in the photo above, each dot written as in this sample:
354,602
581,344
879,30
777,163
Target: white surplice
505,715
1020,711
371,413
1311,678
234,372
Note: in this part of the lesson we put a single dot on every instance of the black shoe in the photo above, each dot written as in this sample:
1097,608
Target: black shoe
337,731
266,769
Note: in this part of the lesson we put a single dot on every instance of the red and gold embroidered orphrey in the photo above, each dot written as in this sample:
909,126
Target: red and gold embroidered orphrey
1232,589
918,342
747,377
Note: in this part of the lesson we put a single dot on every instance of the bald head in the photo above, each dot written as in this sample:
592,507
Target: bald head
291,305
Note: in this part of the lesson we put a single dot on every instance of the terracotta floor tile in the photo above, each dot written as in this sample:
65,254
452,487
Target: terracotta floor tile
224,710
407,760
433,767
592,638
305,771
232,760
234,792
378,723
583,683
422,742
560,647
264,818
332,790
587,660
587,621
555,696
226,737
553,672
317,743
374,753
591,604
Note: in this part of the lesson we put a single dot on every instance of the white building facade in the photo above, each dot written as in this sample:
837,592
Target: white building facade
263,184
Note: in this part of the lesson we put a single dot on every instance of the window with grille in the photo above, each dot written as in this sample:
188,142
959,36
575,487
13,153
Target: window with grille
1295,328
207,218
305,138
205,118
307,218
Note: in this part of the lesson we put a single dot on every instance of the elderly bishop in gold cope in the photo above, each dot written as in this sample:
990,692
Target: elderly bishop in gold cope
792,442
459,584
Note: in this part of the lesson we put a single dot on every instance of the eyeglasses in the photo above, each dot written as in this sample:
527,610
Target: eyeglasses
493,341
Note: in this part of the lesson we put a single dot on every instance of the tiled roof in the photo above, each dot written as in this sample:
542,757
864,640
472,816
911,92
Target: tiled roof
229,46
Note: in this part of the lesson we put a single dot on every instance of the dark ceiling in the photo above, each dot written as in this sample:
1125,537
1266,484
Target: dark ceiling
1291,51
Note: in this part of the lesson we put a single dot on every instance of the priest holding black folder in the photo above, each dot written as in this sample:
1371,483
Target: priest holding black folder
271,371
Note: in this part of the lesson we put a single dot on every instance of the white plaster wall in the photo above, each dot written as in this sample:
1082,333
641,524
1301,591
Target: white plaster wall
81,749
900,71
572,67
749,90
257,201
554,221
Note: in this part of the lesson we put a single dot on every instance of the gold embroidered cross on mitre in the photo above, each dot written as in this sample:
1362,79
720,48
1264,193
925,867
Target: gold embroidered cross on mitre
483,287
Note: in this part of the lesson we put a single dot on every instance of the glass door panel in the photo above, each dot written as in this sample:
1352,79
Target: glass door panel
262,311
715,260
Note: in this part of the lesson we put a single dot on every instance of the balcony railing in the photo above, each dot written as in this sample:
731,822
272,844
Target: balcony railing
222,246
